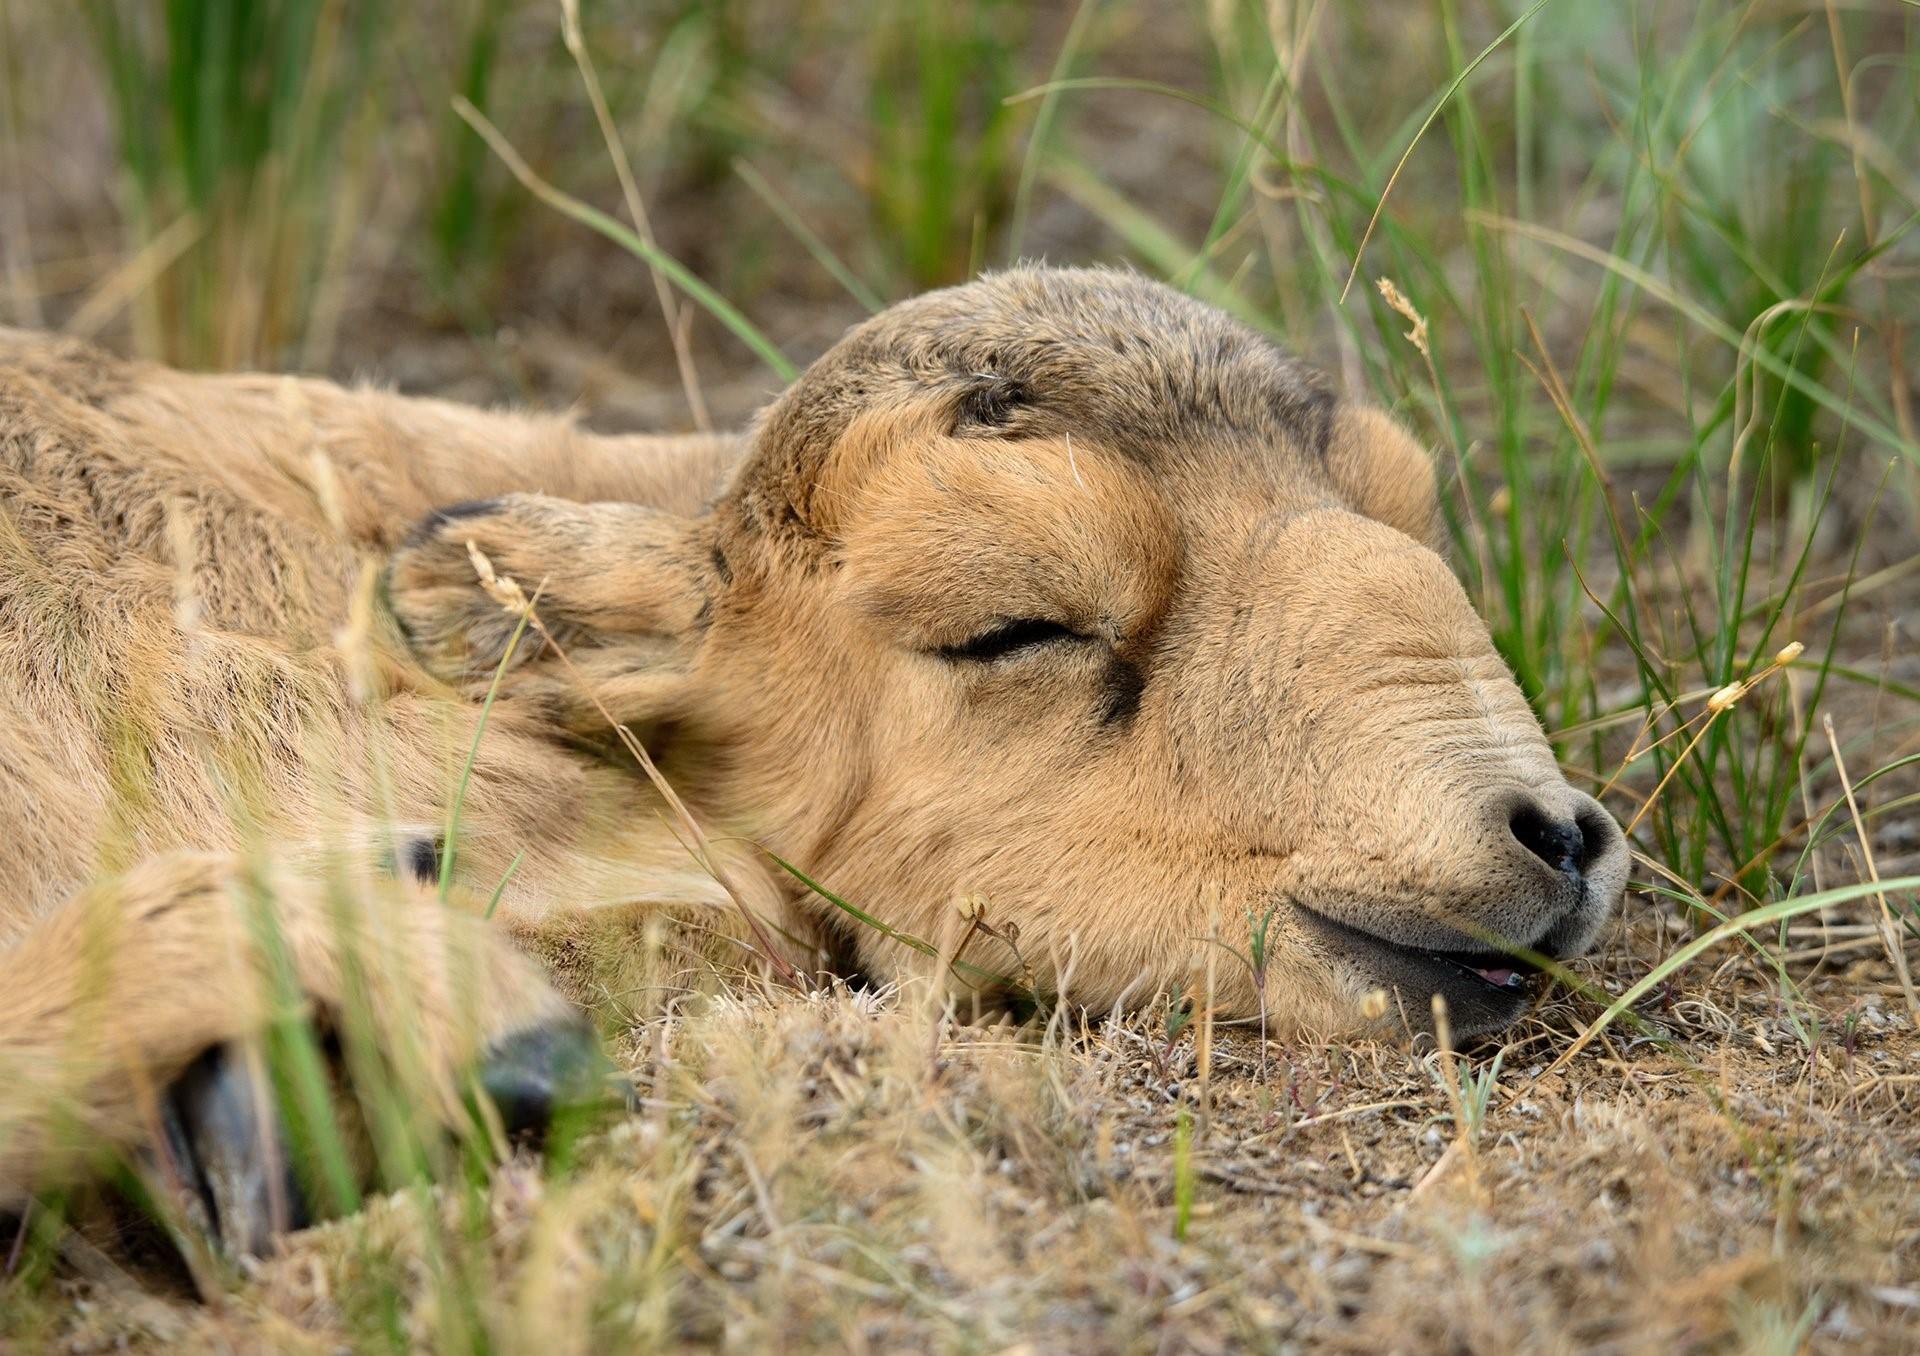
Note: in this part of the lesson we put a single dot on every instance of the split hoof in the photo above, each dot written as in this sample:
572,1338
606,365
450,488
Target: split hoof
230,1153
546,1074
229,1149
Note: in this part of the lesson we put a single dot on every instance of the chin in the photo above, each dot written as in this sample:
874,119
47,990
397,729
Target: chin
1485,989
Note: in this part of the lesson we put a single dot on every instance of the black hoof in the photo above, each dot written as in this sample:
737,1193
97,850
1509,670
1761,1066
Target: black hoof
227,1146
548,1073
228,1153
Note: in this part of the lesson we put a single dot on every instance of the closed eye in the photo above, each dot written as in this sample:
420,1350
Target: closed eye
1009,638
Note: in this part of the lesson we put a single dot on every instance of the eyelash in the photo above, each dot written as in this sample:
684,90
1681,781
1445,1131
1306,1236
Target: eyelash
1009,638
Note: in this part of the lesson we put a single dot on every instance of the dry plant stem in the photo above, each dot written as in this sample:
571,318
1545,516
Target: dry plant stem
1661,785
118,289
1890,933
636,209
1718,705
1646,716
1862,586
1463,1129
973,912
1815,857
1636,751
451,853
1417,336
1556,388
1204,1042
509,595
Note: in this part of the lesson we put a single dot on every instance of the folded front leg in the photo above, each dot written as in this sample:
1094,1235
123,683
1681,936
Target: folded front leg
131,1018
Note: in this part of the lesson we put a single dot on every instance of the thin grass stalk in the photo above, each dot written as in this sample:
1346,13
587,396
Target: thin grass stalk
1749,921
505,591
451,847
636,211
1043,126
808,237
1896,949
1440,104
592,217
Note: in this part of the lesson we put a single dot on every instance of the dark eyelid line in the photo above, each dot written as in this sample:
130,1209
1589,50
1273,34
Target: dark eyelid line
1009,637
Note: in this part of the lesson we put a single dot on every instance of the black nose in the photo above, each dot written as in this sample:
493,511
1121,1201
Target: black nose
1563,844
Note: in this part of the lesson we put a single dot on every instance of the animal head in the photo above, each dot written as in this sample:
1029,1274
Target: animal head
1061,590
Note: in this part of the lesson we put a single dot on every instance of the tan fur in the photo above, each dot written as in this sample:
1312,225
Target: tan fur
1275,697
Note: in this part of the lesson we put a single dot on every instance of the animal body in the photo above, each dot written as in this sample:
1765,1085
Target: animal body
1057,590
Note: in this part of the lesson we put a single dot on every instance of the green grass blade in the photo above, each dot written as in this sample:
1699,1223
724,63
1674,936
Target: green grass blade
565,203
450,848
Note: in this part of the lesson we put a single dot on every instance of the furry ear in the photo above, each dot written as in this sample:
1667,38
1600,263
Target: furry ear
1384,473
624,589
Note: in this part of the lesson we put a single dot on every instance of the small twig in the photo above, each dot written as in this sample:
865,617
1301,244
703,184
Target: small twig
760,1194
973,909
1203,1047
1896,952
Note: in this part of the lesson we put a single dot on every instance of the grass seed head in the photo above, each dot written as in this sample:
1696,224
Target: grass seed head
1726,697
1397,299
503,589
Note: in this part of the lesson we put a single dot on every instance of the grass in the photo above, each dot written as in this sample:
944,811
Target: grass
234,123
1639,274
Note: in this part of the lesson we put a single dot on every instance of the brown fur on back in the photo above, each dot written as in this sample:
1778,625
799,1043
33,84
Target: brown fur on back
256,503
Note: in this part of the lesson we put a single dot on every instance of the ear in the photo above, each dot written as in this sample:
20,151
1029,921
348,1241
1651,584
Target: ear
1384,473
624,590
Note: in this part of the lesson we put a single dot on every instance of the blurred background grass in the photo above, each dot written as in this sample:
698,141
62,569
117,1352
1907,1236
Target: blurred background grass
1662,256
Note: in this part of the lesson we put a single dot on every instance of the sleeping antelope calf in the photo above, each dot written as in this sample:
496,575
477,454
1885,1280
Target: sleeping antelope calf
1058,588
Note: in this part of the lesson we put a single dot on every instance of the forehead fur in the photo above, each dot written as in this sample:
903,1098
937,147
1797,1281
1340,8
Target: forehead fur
1147,371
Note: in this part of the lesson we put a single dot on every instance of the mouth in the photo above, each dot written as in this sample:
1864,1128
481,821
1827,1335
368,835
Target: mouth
1485,988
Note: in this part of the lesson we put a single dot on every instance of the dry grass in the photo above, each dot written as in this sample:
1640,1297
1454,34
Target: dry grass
821,1172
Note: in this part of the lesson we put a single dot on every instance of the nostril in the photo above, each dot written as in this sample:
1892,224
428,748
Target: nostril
1598,833
1562,844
